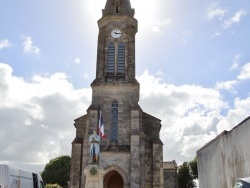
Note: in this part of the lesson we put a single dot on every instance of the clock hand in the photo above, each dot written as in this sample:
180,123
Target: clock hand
117,33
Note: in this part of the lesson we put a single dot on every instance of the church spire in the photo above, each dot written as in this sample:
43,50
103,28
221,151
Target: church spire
114,7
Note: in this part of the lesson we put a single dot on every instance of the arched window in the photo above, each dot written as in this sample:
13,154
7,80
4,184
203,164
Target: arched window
116,9
114,122
121,57
111,58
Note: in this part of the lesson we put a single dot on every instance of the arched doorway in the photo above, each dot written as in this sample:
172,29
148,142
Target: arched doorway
113,180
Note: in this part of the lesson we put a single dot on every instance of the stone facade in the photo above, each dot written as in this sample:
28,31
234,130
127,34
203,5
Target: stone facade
170,174
134,160
225,158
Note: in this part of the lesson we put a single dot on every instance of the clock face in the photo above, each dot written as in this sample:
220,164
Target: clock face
116,33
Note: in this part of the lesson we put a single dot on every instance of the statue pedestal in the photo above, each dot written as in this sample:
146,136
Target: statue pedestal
94,176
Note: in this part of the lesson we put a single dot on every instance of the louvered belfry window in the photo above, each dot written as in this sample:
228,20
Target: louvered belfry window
114,122
111,58
121,57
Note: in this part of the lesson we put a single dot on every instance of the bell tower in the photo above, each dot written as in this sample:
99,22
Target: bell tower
130,155
116,43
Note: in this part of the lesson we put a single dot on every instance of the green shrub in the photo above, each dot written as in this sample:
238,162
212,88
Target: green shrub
52,186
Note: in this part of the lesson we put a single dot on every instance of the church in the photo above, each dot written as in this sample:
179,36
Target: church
117,144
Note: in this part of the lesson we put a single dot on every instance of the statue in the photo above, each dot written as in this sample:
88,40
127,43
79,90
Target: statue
94,140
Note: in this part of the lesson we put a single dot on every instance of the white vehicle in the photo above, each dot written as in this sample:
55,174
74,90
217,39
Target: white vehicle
11,177
242,183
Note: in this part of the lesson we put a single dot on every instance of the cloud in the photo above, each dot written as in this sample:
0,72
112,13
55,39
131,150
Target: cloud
156,29
222,14
235,64
236,18
158,24
191,115
77,60
235,115
227,85
4,44
28,46
217,34
215,12
45,107
187,111
36,117
245,72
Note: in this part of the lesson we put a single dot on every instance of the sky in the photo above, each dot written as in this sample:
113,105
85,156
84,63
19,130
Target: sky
192,63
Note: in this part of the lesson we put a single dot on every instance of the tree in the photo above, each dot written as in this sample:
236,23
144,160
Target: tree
57,171
52,186
193,168
185,179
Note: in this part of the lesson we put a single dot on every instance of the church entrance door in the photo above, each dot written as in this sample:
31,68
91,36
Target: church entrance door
113,180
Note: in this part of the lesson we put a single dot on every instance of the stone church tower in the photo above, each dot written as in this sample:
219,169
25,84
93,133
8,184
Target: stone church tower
131,154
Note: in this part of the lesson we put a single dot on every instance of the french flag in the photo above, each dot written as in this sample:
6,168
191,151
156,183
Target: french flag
101,126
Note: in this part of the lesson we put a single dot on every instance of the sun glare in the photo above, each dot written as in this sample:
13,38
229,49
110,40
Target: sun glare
149,13
145,11
93,8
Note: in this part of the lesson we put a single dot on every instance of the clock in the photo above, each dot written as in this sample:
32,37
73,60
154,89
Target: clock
116,33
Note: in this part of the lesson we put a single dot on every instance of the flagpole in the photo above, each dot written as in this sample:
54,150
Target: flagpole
99,128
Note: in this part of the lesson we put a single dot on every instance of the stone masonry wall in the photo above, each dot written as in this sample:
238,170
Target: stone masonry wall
126,95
